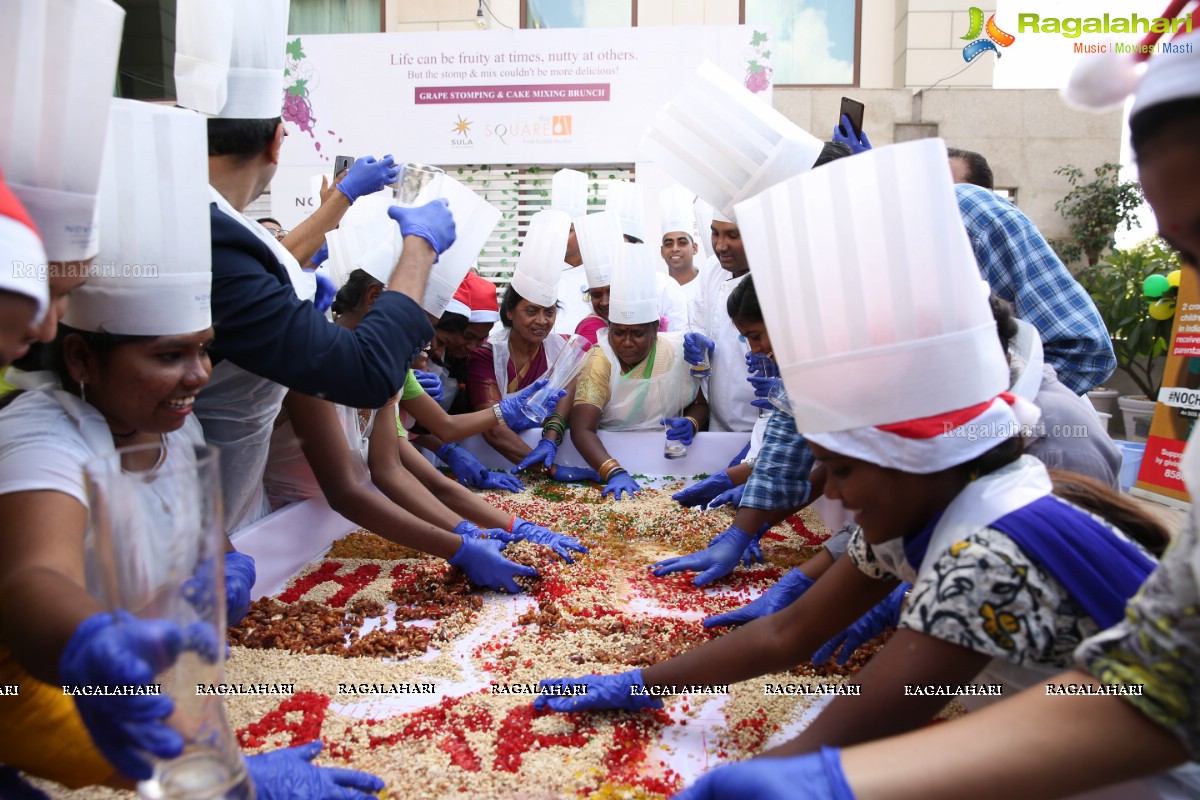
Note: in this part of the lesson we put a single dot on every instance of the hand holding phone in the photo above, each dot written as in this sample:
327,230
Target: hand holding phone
849,130
341,163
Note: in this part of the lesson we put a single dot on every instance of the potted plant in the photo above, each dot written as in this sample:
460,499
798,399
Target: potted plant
1140,333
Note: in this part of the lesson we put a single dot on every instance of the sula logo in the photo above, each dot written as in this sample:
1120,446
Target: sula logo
995,36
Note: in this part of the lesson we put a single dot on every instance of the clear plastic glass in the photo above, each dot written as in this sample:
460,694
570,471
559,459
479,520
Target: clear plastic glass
673,448
418,184
158,553
566,368
703,370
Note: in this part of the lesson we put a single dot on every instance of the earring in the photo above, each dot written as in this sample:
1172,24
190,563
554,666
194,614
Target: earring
82,391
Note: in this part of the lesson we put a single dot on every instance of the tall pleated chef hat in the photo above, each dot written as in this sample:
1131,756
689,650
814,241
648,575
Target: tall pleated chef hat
540,263
568,192
633,294
724,143
1103,80
677,212
627,200
474,220
372,246
59,61
870,289
598,235
229,57
20,244
153,274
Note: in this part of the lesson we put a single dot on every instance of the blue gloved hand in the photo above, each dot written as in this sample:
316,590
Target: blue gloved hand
621,482
562,545
542,454
326,291
764,377
814,776
240,575
431,383
321,256
714,562
702,492
565,474
752,552
844,134
741,456
510,407
696,347
124,651
367,176
730,497
466,467
782,594
603,692
679,429
433,222
481,560
14,787
288,775
502,481
883,616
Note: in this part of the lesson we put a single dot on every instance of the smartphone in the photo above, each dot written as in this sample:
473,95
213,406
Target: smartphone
854,110
340,163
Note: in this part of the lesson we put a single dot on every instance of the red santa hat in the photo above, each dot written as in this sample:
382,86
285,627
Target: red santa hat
21,245
476,299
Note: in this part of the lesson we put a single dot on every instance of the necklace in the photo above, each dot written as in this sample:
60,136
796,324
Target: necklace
162,453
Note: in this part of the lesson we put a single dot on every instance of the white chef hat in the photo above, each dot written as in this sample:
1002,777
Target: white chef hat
1154,76
153,274
677,212
372,246
21,247
59,61
633,294
599,235
568,192
871,291
628,202
229,57
540,263
724,143
474,220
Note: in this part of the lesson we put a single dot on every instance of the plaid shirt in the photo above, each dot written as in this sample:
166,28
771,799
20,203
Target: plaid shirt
1021,268
780,475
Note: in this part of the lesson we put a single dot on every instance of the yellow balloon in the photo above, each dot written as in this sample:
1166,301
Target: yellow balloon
1173,277
1162,309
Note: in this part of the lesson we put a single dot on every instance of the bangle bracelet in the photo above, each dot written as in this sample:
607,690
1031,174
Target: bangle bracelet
499,416
617,470
606,465
695,425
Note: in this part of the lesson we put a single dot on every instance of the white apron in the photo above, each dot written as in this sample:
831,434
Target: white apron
636,403
238,408
553,345
729,393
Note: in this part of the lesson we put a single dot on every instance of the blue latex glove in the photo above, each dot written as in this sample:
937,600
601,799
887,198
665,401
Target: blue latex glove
730,497
431,383
326,291
433,222
814,776
745,451
844,133
782,594
603,692
240,575
470,472
125,728
762,389
542,454
620,483
481,560
367,176
714,562
562,545
695,346
510,407
679,429
702,492
321,256
752,552
565,474
14,787
288,775
883,616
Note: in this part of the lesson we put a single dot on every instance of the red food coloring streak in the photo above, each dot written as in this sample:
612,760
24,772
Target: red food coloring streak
313,707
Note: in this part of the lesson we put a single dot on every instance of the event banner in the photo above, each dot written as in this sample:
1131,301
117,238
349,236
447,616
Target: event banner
1178,400
543,96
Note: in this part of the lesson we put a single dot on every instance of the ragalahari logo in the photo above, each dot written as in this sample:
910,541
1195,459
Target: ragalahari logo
995,36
